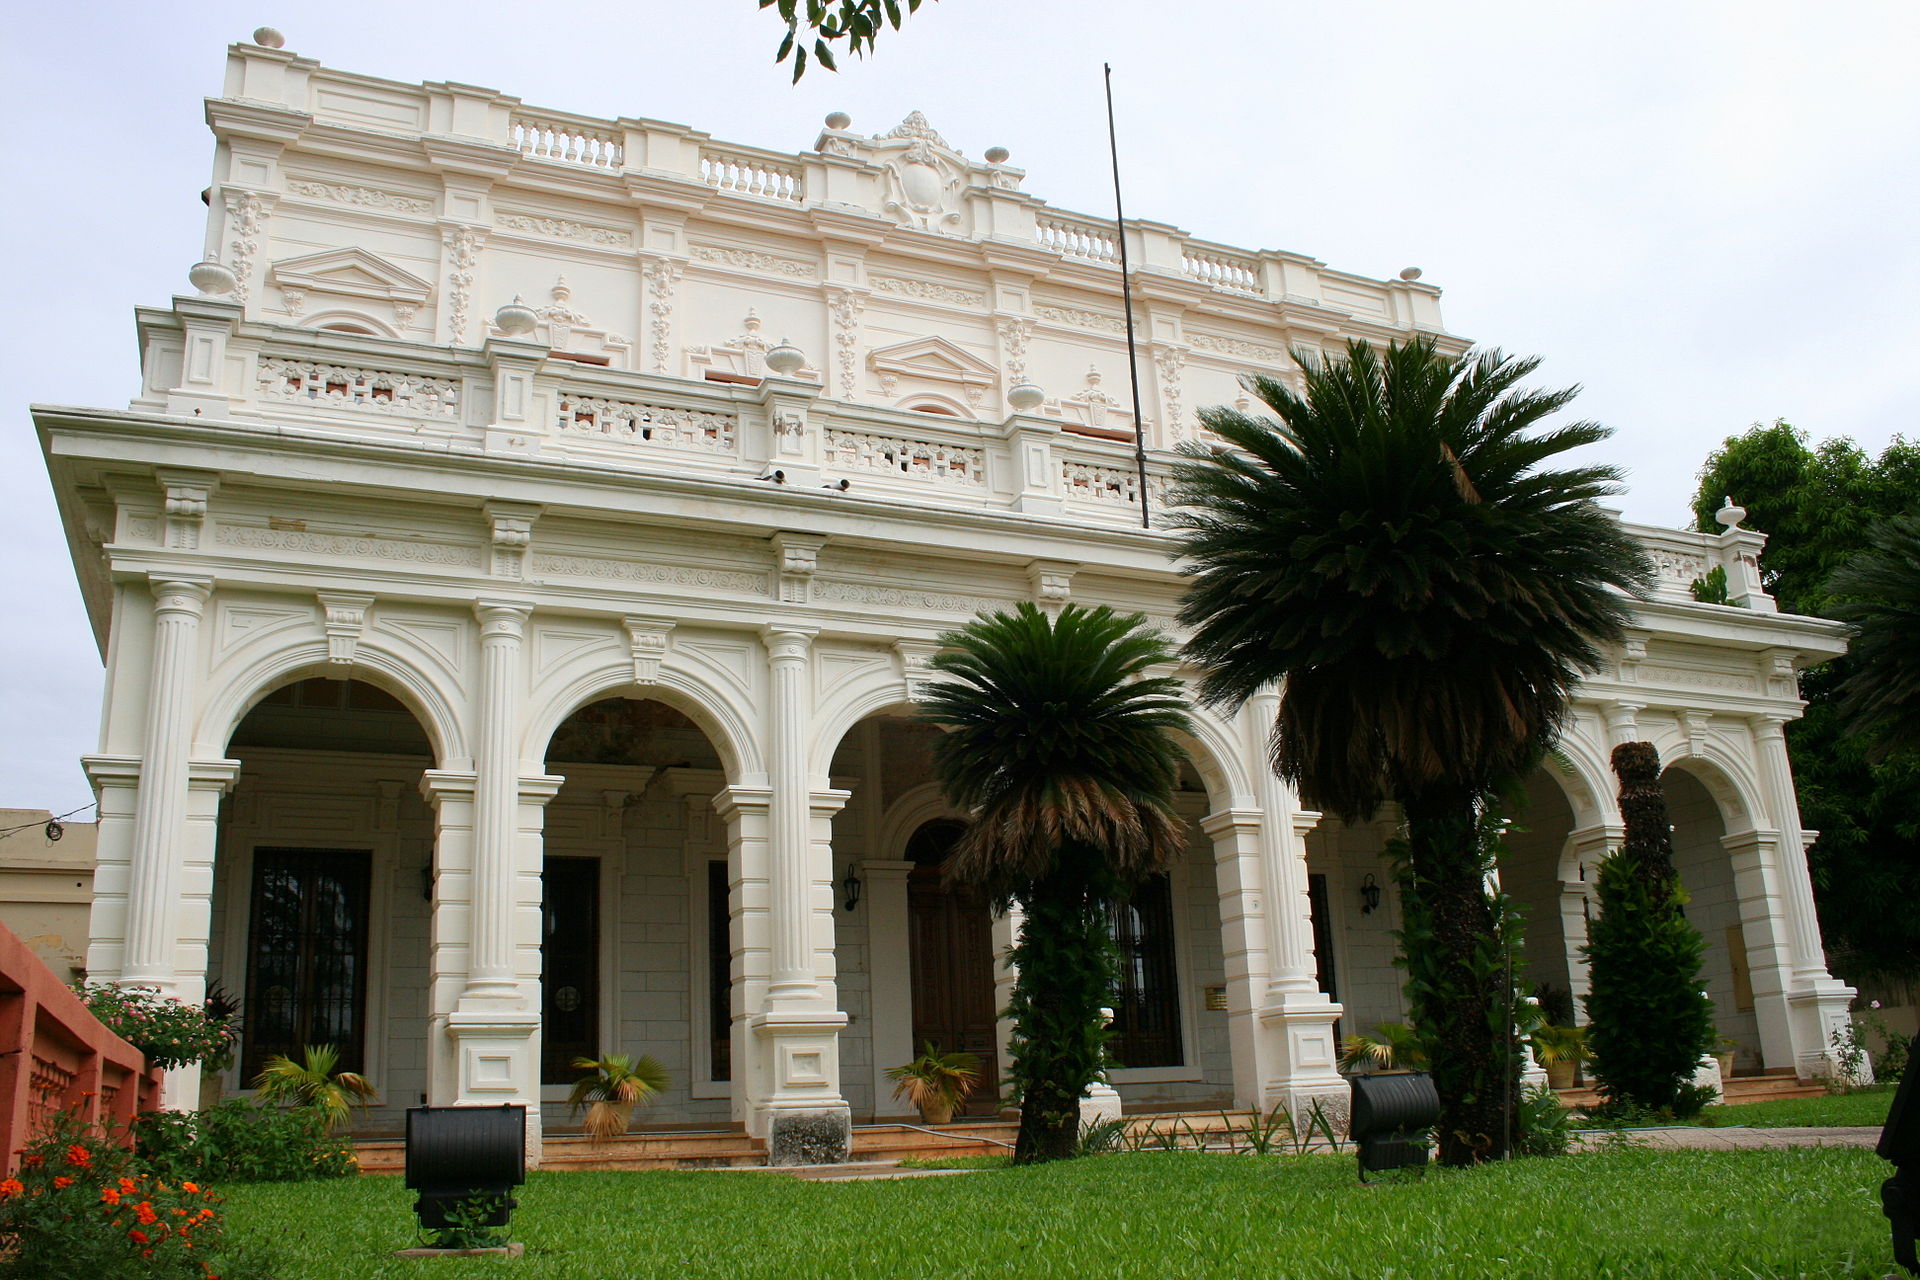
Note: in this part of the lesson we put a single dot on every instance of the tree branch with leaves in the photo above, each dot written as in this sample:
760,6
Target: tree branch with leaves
820,25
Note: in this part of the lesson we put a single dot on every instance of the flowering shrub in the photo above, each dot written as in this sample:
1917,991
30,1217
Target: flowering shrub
170,1032
242,1141
80,1209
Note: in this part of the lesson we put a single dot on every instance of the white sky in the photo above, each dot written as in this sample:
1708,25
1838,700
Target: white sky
1701,212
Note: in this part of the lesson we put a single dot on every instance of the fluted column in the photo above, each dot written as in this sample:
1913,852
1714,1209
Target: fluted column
1817,1003
789,650
496,800
160,813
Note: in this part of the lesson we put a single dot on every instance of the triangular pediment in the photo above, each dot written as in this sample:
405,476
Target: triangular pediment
352,273
936,358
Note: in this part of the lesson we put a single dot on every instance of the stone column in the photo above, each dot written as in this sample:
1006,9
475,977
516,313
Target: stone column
1755,858
1237,849
496,799
160,813
1590,846
1006,935
793,1031
889,977
1296,1015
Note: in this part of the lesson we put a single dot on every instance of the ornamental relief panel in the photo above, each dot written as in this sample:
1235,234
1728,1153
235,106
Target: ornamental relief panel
598,568
360,197
368,546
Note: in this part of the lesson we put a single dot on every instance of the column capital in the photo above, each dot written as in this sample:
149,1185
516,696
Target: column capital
539,788
502,618
438,785
743,800
788,642
1769,725
828,802
212,775
1221,821
179,593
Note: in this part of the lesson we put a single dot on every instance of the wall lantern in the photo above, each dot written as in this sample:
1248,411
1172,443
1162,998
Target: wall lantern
850,888
54,830
1369,896
1388,1113
1900,1194
457,1154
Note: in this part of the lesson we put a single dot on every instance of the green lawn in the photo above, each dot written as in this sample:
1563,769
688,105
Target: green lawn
1867,1108
1807,1213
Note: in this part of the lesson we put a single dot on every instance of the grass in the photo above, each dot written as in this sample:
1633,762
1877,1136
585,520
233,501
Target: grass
1864,1108
1809,1213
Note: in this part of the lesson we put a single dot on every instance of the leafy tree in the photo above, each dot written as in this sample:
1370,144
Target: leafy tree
1820,506
1649,1018
1061,751
857,22
1392,549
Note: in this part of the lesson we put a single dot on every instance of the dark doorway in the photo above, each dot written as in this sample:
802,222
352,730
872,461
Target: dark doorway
569,967
950,942
307,956
1146,1005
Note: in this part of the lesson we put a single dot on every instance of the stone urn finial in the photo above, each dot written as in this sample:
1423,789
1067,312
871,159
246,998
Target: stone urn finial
1024,397
1730,515
516,319
997,155
212,278
268,38
785,359
838,120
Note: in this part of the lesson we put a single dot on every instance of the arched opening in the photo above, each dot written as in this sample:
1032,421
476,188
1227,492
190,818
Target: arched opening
910,954
320,913
950,960
1532,873
635,941
1713,905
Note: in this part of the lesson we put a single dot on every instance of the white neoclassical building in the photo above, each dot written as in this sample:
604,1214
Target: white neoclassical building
517,568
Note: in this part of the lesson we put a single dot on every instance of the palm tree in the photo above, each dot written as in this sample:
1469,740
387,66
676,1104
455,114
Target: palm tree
314,1083
1391,551
1061,751
1881,587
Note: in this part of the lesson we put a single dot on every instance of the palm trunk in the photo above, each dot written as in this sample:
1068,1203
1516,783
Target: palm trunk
1454,996
1065,955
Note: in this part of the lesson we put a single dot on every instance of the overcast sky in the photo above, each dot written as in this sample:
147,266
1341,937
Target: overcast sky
1701,212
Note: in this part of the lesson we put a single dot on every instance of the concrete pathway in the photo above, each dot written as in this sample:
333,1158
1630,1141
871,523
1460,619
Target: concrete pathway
1728,1138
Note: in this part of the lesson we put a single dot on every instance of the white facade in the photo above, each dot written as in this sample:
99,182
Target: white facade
764,427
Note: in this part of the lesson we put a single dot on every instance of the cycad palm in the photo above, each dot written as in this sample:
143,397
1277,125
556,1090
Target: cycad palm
1392,550
1061,752
1881,598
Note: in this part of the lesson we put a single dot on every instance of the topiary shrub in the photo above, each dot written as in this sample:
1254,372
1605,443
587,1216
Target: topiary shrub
1649,1018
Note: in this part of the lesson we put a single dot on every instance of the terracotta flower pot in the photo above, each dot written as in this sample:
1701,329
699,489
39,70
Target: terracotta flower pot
937,1115
1560,1074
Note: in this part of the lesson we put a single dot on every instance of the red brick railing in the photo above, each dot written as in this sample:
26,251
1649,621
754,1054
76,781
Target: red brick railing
56,1056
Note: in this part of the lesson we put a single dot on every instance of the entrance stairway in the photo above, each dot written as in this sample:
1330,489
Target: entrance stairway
1763,1087
873,1145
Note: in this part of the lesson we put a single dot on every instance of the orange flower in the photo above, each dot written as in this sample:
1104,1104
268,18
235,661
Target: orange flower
137,1236
11,1187
128,1185
144,1212
190,1188
34,1161
63,1181
109,1196
79,1157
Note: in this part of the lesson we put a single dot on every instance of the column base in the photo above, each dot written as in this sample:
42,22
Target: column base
1101,1102
1818,1014
809,1135
494,1062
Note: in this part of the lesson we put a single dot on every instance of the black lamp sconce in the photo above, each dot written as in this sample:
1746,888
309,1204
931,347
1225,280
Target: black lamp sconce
850,889
1369,896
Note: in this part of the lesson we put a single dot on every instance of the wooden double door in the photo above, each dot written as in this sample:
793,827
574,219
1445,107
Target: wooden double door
950,944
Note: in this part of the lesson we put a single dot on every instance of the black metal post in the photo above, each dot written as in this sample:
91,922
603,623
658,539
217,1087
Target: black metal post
1126,303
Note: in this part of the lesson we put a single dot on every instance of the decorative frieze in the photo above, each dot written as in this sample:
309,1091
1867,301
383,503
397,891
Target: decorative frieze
1079,319
375,390
927,291
361,197
371,546
565,229
751,260
1236,347
671,575
866,593
626,422
956,466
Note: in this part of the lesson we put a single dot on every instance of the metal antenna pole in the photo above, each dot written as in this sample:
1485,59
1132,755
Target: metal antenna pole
1126,302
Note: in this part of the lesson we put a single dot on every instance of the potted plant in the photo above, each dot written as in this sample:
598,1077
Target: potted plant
1725,1049
1393,1046
314,1083
615,1086
936,1083
1560,1050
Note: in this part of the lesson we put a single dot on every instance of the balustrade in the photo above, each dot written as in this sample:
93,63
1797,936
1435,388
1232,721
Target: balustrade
1075,239
752,176
565,143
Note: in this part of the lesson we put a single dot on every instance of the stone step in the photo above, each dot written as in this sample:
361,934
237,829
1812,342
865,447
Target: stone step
1741,1089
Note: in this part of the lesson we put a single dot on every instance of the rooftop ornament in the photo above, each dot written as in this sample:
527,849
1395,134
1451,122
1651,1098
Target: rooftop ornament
516,319
212,278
